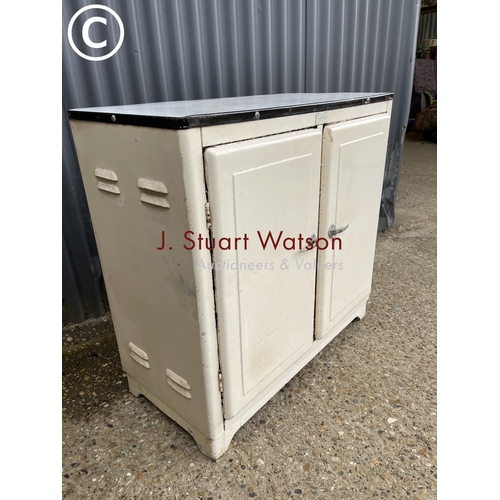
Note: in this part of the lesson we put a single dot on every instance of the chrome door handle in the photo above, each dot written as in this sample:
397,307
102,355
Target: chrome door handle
333,231
314,239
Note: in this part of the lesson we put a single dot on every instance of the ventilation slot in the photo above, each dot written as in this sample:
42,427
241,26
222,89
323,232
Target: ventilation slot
153,192
137,354
178,383
106,180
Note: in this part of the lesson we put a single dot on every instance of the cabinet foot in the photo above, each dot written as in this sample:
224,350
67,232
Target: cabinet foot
134,387
360,313
211,447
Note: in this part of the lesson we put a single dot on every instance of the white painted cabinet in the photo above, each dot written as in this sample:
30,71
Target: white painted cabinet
237,239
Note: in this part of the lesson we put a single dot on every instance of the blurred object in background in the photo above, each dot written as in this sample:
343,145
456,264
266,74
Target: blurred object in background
433,49
426,122
424,104
425,75
427,49
424,85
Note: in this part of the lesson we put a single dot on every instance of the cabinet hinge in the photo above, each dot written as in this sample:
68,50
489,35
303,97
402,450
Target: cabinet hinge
207,215
221,388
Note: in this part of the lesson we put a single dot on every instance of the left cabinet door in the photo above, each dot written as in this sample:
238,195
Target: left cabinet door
259,189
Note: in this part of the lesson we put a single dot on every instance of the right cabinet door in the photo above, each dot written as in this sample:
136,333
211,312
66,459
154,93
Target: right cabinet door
351,186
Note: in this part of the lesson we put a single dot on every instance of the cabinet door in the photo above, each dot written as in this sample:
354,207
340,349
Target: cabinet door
265,311
351,186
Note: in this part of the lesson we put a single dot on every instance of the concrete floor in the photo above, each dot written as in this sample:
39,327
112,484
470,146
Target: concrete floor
359,421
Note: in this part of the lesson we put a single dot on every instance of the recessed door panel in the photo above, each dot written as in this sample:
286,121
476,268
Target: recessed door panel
265,303
351,186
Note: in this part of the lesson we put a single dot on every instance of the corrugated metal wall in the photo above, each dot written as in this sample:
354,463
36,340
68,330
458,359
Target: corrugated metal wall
192,49
427,27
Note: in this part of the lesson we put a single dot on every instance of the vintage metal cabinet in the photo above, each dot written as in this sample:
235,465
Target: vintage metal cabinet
210,334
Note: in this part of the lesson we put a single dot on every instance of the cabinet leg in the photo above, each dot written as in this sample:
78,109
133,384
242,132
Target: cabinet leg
211,447
134,387
360,313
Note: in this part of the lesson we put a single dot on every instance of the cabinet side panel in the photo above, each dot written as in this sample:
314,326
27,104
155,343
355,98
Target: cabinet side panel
134,183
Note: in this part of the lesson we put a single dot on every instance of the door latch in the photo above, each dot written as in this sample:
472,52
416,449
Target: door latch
313,239
333,231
